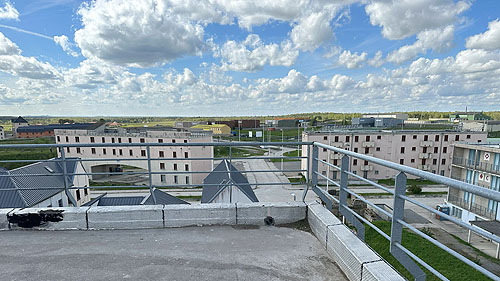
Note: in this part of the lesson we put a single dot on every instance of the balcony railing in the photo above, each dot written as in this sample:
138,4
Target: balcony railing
477,209
310,152
478,165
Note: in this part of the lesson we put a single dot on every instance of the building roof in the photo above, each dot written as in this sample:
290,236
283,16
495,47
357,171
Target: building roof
220,178
490,226
120,201
19,120
51,127
201,126
31,190
162,198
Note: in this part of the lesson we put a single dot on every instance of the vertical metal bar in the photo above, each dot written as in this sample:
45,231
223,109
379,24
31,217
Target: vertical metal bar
230,170
308,171
65,175
148,153
397,229
314,167
344,180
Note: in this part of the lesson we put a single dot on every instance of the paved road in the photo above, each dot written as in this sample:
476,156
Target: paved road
191,253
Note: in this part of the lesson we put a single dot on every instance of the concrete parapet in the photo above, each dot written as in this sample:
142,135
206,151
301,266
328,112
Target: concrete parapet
276,213
353,256
202,214
53,218
4,222
125,217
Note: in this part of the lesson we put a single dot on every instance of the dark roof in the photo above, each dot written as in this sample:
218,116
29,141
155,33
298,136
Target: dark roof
490,226
51,127
94,201
216,182
19,120
163,198
120,201
32,190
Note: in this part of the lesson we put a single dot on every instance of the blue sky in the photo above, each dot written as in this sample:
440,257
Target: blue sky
227,57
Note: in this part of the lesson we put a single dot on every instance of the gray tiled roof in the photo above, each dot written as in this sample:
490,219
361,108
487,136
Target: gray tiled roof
163,198
215,183
120,201
34,189
19,120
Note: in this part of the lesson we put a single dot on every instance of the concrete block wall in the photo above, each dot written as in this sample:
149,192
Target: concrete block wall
150,216
353,256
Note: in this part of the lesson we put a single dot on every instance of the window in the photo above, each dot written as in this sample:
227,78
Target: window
119,140
185,141
335,162
325,138
163,178
414,148
175,167
78,150
433,171
67,139
129,140
160,140
443,161
426,138
412,160
356,138
67,149
60,203
86,191
77,139
367,138
442,172
92,140
436,138
355,149
131,153
366,162
93,150
142,140
161,154
457,137
401,161
104,151
174,154
143,153
324,149
162,166
479,141
186,167
121,152
424,150
176,181
436,149
445,149
376,172
347,138
434,161
112,140
173,141
379,137
186,154
423,161
367,150
114,151
355,162
468,136
414,137
78,194
58,139
403,149
336,138
103,140
403,138
445,137
377,149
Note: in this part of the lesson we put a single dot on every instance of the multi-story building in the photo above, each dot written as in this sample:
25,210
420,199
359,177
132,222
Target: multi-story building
18,122
119,155
425,150
2,133
40,131
477,164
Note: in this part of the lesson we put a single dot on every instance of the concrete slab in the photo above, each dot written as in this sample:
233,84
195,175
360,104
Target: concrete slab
4,223
281,213
319,219
380,270
125,217
202,214
191,253
54,218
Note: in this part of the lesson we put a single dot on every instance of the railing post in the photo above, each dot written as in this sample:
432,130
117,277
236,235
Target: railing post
148,153
314,167
65,175
308,171
397,229
344,180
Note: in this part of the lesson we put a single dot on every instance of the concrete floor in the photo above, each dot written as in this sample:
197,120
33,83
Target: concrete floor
192,253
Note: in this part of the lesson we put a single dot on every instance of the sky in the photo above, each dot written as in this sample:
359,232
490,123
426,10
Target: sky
246,58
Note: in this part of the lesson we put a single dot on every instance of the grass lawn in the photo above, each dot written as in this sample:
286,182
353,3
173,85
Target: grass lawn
26,153
446,264
408,182
223,151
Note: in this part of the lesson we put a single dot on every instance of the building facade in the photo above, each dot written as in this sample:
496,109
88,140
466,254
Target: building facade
40,131
2,133
167,159
477,164
16,123
425,150
216,129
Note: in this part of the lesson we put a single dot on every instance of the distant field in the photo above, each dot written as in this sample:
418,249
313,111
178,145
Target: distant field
26,153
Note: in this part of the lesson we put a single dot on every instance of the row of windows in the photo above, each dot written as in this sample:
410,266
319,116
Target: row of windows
85,192
113,140
402,150
163,179
403,138
186,167
114,151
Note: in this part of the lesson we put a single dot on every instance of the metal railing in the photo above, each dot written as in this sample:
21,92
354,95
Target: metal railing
478,165
475,208
409,260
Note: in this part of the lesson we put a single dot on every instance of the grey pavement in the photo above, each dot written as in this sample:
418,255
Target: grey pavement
191,253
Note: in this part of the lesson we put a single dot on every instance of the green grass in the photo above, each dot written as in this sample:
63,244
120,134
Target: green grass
478,252
26,153
223,151
408,182
293,153
493,134
446,264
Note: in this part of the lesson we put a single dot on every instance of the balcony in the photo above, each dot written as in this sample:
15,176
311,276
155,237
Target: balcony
424,167
368,144
366,167
338,144
478,165
475,208
424,155
426,143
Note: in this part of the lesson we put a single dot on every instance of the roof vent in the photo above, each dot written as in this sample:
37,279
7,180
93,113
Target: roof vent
49,169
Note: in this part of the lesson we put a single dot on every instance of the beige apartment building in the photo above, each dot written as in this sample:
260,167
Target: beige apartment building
477,164
180,157
425,150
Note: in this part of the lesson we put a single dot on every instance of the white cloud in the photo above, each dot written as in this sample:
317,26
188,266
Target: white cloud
65,45
8,47
137,33
9,12
352,60
438,40
400,19
377,60
312,31
489,40
252,54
